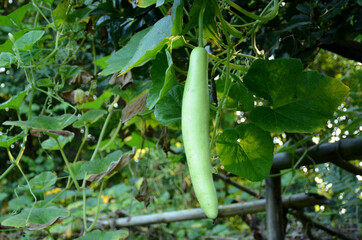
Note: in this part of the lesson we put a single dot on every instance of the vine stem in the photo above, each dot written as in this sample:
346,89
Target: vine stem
110,109
223,98
68,165
97,211
267,17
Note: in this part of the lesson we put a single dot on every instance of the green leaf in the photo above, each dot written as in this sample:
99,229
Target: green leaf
45,82
51,143
142,47
97,104
60,12
44,122
6,141
104,167
6,59
246,151
44,180
18,15
15,204
35,216
110,235
176,15
90,116
300,101
145,3
7,46
168,109
15,101
133,91
6,21
27,41
163,78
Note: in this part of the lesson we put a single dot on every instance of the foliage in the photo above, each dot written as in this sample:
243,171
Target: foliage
91,95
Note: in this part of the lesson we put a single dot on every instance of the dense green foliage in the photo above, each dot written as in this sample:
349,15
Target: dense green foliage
90,112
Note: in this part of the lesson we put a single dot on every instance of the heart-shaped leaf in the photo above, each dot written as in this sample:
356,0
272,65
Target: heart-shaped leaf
43,180
15,101
35,217
246,151
300,101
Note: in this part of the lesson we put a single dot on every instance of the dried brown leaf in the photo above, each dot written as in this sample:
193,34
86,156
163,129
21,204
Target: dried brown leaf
134,108
36,132
82,77
113,167
143,193
123,80
163,141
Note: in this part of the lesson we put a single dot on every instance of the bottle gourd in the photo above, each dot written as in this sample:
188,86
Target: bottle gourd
195,131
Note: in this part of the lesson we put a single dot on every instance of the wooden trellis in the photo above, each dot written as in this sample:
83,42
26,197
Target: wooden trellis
338,153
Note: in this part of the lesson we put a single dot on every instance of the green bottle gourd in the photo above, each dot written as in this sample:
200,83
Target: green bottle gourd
195,131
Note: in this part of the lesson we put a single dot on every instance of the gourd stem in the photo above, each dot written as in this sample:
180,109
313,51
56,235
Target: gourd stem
201,23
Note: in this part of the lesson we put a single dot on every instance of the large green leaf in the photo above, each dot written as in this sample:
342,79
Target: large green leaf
44,122
163,78
18,15
142,47
15,101
35,216
246,151
27,41
43,180
110,235
6,59
168,109
300,101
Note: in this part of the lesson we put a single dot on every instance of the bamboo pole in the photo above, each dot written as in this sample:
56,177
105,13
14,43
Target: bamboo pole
345,149
295,201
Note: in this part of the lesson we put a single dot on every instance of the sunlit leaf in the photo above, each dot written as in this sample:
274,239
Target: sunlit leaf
142,47
300,101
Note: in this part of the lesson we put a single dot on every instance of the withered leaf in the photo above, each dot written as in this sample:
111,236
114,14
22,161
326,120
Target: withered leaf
36,132
163,141
82,77
134,108
75,96
113,167
45,225
143,193
123,80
